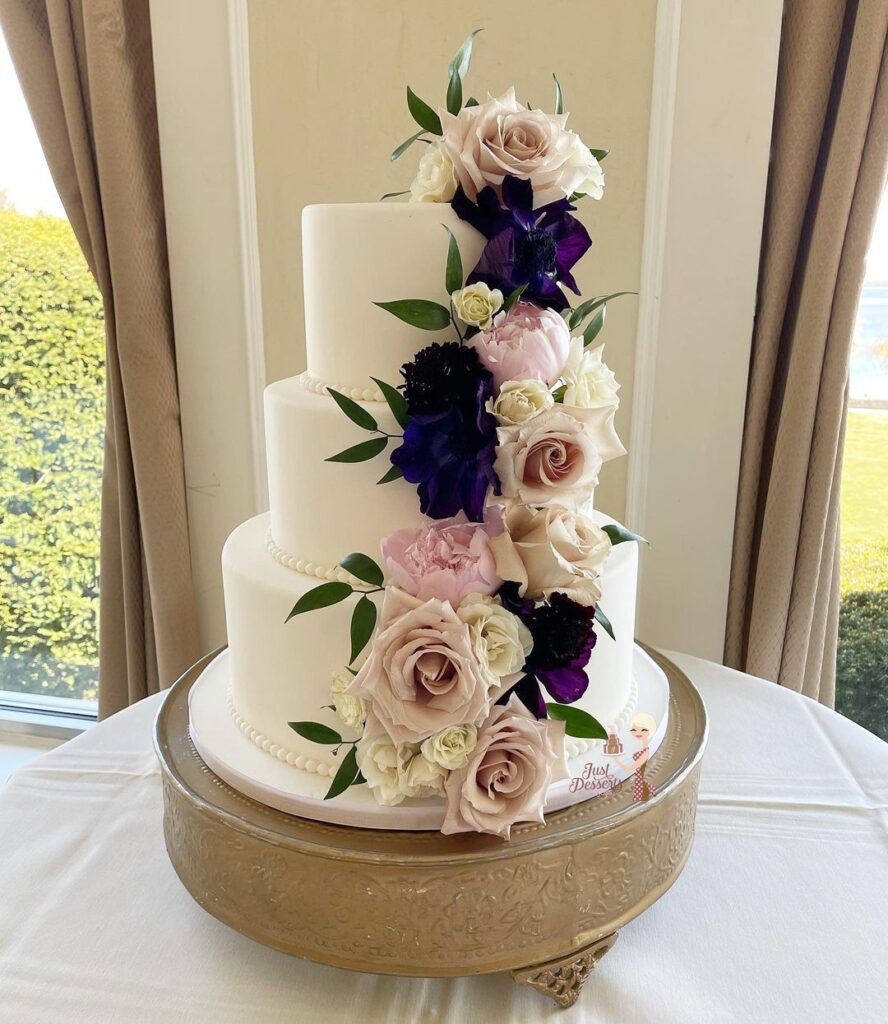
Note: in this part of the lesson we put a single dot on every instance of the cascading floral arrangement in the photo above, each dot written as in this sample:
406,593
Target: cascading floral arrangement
461,685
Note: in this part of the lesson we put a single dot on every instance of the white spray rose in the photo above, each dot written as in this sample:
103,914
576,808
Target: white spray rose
451,747
435,180
591,384
499,639
476,304
582,161
378,761
417,775
350,709
519,401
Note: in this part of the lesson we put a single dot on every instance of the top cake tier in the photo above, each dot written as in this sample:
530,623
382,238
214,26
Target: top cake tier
355,254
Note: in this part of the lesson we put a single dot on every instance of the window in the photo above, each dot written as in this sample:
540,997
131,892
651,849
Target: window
51,425
862,670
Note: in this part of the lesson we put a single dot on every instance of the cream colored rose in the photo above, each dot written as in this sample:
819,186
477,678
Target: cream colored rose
590,383
476,303
378,761
422,674
552,549
500,639
507,775
502,137
519,401
418,776
451,747
350,709
435,180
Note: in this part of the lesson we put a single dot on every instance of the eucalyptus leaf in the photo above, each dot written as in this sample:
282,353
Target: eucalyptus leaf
559,97
394,473
361,452
364,568
423,114
578,315
619,534
321,597
394,195
593,328
513,297
454,92
430,316
356,413
460,63
577,722
399,151
363,623
599,154
604,622
345,776
396,401
453,278
316,733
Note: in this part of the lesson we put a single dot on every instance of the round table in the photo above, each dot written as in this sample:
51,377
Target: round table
780,915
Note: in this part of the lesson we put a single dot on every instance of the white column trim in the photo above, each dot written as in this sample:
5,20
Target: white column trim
239,40
656,214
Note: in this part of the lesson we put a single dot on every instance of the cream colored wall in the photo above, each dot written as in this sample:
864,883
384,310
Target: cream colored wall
328,80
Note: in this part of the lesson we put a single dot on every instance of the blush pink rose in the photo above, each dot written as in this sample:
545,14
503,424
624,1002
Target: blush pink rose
515,760
447,559
422,674
527,343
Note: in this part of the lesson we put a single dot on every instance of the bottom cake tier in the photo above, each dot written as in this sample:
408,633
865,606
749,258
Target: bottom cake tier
596,767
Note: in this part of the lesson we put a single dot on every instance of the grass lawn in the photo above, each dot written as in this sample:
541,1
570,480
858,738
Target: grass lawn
864,524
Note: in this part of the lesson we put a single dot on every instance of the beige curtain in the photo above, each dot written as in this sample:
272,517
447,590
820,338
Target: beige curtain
86,71
829,153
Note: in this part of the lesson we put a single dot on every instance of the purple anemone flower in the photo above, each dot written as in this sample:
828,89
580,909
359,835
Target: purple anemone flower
450,456
535,248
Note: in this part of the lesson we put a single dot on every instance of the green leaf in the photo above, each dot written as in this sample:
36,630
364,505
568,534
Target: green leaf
593,328
460,63
578,315
559,97
423,114
362,625
320,597
399,151
393,195
599,154
513,297
618,534
362,452
577,722
605,622
430,316
454,92
471,102
394,473
345,776
364,568
396,401
356,413
559,393
453,278
316,733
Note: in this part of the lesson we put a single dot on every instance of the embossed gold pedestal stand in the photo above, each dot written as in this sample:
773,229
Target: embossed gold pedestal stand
546,906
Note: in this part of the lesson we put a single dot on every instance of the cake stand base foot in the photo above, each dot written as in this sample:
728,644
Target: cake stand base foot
563,978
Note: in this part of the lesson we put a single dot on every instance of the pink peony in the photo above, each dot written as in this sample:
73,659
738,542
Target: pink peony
527,343
448,559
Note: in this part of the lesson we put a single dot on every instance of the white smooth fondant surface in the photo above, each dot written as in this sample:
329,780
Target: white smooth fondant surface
243,765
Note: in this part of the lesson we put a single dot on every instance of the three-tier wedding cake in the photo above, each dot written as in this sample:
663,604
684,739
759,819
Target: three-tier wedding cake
432,627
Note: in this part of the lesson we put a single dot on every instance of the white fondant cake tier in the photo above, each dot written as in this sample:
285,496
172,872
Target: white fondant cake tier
229,752
356,254
281,672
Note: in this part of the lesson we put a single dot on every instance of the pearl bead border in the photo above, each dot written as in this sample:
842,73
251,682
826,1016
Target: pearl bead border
574,748
318,386
305,764
306,567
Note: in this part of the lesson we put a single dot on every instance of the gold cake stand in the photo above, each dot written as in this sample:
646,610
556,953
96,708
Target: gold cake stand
546,906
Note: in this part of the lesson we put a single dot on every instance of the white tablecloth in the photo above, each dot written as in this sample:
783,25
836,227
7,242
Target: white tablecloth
780,915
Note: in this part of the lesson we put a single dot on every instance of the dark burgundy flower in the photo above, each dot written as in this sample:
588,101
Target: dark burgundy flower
441,376
450,454
535,248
